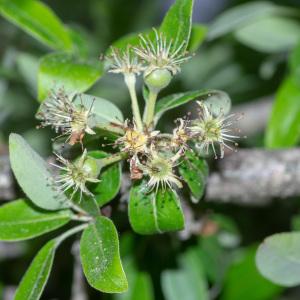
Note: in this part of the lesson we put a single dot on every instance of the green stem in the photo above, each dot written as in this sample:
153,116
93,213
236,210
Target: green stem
150,108
78,209
111,128
82,218
70,232
103,162
130,82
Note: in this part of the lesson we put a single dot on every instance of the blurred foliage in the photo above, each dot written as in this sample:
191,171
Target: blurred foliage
251,50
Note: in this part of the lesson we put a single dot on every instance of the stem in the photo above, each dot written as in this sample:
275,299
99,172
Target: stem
82,218
111,128
150,107
165,136
130,82
78,208
70,232
103,162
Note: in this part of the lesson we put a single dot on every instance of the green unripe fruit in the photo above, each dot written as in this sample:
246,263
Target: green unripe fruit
158,79
91,167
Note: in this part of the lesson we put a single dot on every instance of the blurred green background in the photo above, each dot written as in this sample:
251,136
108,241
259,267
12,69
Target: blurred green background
250,52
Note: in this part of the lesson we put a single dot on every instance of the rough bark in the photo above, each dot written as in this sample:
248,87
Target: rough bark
254,177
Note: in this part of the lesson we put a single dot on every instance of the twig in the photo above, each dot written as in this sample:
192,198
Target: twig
254,177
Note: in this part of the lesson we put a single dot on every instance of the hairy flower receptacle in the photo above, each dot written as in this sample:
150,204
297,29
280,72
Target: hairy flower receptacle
135,141
61,113
160,170
209,130
75,175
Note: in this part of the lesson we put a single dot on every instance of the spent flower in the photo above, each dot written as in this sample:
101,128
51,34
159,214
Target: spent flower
160,170
75,175
209,130
181,135
161,53
124,62
135,141
60,112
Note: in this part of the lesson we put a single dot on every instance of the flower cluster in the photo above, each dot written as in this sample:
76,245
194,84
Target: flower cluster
152,154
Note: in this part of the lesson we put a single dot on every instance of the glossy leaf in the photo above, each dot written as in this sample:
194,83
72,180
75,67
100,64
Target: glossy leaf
278,258
34,280
154,212
194,171
19,220
38,20
188,282
198,35
110,183
33,175
99,251
247,13
256,287
284,124
175,100
104,111
64,70
272,34
177,23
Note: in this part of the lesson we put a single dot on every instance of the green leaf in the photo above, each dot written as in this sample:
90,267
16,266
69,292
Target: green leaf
38,20
215,259
64,70
238,16
284,124
294,62
33,176
36,276
198,35
188,282
99,250
194,171
272,34
214,97
255,287
140,285
177,23
295,223
154,212
34,280
278,258
88,204
104,111
131,39
20,221
110,183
